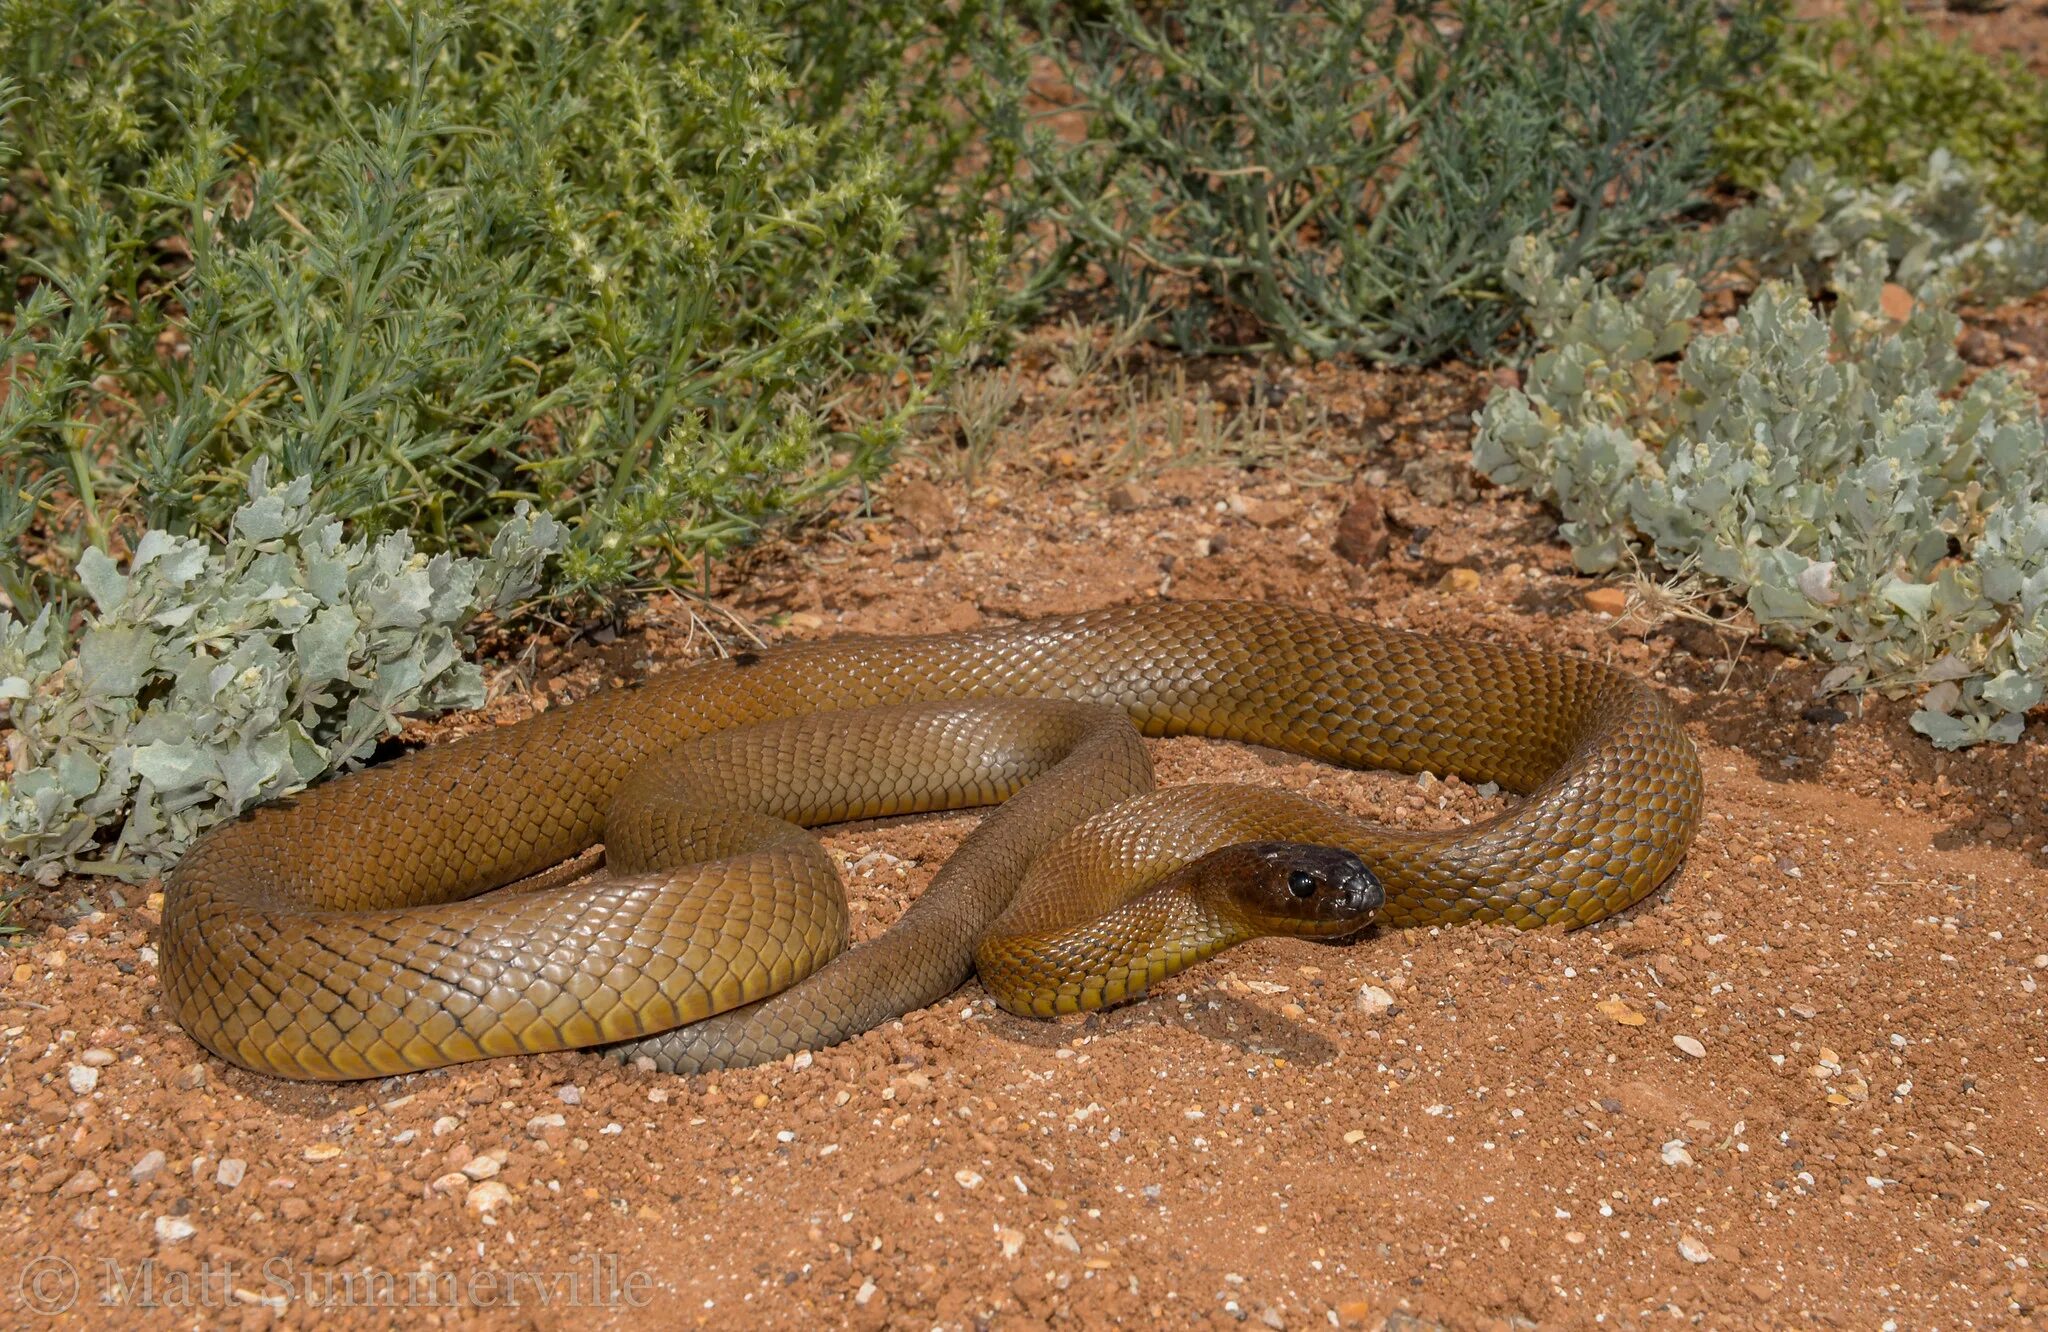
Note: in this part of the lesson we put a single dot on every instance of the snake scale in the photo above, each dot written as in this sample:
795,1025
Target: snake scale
351,931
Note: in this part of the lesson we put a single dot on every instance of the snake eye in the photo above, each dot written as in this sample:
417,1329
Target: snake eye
1301,883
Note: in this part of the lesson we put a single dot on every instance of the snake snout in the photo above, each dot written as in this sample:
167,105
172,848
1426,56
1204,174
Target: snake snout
1359,888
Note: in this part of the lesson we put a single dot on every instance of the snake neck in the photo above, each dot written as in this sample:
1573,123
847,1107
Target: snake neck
1116,956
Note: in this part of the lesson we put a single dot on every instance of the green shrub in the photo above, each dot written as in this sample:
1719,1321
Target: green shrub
1871,95
442,260
1942,236
1347,176
1820,467
210,679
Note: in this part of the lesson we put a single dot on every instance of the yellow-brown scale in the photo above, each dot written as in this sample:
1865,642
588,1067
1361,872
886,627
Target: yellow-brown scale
341,934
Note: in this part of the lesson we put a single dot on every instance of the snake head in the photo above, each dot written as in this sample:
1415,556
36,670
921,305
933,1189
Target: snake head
1294,888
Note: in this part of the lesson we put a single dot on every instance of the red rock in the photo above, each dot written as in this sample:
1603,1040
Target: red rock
1362,536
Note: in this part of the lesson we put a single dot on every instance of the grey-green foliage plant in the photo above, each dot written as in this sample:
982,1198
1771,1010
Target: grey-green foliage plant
208,679
1821,466
614,262
1347,176
1941,232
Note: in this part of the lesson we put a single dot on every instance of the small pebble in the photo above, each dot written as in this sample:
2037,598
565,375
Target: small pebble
1674,1153
173,1229
85,1181
446,1125
487,1197
967,1179
1374,1000
151,1162
1691,1046
97,1057
230,1172
865,1293
570,1095
1693,1251
1606,600
82,1078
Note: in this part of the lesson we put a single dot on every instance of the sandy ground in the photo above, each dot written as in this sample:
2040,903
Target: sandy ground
1801,1085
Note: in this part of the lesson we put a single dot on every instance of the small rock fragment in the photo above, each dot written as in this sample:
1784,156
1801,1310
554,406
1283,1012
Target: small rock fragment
1374,1000
85,1181
1606,600
97,1057
174,1229
569,1095
151,1162
230,1172
190,1078
321,1151
334,1249
967,1179
1460,580
1693,1251
1128,497
865,1293
1362,537
82,1079
1619,1011
1674,1153
1690,1045
1268,513
487,1197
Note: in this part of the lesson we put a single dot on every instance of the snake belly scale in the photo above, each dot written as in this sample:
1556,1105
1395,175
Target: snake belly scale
351,931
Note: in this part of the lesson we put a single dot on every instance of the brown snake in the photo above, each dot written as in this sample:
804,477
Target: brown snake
341,934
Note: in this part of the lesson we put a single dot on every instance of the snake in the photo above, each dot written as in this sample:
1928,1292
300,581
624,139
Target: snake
415,913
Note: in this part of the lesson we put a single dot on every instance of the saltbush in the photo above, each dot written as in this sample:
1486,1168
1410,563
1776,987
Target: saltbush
1822,466
208,679
1942,235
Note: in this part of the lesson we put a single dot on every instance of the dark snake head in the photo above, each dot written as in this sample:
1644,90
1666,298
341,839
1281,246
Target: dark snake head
1293,888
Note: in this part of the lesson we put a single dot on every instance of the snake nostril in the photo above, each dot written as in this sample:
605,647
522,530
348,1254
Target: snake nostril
1362,890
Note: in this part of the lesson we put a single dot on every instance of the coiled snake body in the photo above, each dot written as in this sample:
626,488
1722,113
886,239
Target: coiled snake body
342,933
